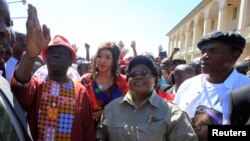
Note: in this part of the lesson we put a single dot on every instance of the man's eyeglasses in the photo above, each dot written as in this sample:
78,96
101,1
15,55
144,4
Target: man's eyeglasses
144,73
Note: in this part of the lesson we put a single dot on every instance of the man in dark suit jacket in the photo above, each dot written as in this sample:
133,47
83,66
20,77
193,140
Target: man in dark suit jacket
13,124
239,106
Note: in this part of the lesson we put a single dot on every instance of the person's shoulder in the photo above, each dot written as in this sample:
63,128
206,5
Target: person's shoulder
197,77
172,107
238,79
243,77
191,82
121,80
169,107
114,103
36,81
79,86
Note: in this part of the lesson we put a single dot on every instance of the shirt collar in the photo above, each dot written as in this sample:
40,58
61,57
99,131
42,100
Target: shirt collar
13,59
153,100
229,82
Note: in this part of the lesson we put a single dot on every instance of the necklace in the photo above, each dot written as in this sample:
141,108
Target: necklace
105,96
103,85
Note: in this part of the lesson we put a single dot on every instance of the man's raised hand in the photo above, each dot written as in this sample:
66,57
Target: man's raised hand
38,37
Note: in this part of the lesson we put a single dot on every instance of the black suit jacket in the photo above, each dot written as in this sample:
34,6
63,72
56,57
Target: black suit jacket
14,105
240,106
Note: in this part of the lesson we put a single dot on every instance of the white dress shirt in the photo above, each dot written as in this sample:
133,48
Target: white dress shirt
198,91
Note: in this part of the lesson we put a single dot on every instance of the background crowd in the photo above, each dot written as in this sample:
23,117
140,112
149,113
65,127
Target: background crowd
113,96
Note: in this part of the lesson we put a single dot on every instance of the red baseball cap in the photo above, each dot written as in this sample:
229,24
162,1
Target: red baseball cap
59,41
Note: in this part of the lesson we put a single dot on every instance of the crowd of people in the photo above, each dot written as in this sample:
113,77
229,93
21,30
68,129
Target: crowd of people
108,97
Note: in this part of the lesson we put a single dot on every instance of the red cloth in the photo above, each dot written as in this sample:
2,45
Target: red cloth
122,62
165,95
86,80
30,99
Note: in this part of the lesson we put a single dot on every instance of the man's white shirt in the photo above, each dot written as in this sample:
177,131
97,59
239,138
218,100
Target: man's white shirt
198,91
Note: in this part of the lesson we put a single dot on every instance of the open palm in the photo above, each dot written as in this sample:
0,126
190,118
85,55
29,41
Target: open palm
38,37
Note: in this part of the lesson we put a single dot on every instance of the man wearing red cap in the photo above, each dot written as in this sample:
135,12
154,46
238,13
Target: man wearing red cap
57,107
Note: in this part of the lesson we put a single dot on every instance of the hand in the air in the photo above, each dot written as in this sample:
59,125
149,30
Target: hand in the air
38,37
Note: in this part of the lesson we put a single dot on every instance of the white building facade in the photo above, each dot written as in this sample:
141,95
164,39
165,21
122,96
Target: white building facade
209,16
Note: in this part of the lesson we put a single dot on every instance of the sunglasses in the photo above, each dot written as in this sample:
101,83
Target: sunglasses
144,73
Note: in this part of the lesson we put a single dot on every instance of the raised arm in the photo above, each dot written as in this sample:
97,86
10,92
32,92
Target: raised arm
37,39
133,46
87,46
121,44
172,54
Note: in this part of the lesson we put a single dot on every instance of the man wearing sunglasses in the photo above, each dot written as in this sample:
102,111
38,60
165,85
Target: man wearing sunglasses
141,114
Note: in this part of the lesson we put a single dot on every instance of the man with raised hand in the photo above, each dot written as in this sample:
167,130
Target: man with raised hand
57,107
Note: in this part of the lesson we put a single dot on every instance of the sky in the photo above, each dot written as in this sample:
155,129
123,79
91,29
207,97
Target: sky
95,21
